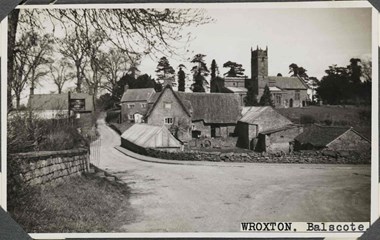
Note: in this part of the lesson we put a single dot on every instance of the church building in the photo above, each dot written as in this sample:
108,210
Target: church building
286,91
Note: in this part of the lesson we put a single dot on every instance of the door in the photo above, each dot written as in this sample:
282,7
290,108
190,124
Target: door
291,103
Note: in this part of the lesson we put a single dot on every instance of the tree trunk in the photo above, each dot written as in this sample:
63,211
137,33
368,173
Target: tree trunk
12,30
18,99
79,79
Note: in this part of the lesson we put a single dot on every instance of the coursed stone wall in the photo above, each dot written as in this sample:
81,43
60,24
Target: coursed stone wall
38,168
332,157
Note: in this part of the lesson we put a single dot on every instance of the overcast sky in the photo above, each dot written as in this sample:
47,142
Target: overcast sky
312,38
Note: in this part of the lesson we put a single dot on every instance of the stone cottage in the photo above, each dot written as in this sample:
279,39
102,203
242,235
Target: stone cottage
195,115
134,104
264,129
317,137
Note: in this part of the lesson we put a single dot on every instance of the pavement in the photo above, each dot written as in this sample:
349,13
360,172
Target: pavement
216,197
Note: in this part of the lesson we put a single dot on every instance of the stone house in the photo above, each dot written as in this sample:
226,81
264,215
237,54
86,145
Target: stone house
167,109
264,129
134,104
195,115
317,137
213,115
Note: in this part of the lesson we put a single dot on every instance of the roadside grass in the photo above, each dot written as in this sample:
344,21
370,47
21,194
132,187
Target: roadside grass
84,203
358,117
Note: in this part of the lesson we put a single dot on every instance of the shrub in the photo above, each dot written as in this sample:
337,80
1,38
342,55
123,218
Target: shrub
26,132
307,119
327,122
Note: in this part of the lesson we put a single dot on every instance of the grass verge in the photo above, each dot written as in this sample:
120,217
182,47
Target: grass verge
84,203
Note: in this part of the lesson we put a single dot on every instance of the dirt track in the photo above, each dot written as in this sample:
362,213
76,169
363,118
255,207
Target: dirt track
183,198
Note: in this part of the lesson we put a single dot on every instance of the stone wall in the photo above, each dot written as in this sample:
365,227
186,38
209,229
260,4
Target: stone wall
332,157
37,168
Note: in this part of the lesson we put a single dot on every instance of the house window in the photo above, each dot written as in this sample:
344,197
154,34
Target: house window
143,105
131,117
131,105
278,99
168,120
297,95
167,105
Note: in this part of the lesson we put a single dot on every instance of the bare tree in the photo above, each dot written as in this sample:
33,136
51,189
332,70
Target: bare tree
114,66
60,73
31,54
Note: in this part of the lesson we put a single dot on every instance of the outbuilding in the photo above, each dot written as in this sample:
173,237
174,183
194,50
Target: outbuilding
139,137
317,137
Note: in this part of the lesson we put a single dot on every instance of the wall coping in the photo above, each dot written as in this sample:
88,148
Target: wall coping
49,154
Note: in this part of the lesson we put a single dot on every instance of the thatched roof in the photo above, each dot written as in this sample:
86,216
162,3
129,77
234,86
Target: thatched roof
321,136
137,95
149,136
58,101
265,117
220,108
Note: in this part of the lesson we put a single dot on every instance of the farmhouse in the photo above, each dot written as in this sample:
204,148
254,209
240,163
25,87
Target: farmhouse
264,129
134,104
141,136
318,137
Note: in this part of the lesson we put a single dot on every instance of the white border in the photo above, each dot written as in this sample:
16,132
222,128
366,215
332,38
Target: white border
375,117
277,5
3,95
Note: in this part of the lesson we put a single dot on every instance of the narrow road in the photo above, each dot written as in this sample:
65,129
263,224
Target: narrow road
190,198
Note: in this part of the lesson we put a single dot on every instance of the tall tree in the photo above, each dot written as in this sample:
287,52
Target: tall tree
165,72
113,67
181,78
236,69
200,71
266,98
60,73
31,54
214,73
135,31
295,70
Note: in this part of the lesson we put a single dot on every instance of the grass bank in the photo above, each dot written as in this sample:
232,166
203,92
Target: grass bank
85,203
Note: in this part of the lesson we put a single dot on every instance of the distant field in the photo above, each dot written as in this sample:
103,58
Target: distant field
357,117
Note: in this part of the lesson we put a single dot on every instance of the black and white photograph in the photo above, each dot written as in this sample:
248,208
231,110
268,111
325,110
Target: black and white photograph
188,118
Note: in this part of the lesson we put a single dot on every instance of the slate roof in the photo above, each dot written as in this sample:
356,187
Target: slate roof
284,82
137,95
320,136
221,108
265,117
58,101
149,136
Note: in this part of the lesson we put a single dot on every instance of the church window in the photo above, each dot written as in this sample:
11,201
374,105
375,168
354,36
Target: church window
297,95
278,99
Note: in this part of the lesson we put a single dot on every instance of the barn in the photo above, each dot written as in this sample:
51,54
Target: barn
317,137
264,129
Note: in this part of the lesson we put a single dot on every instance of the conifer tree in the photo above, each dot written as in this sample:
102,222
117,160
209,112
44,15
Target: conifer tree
266,98
181,79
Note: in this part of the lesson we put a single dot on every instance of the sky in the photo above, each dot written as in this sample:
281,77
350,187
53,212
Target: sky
311,38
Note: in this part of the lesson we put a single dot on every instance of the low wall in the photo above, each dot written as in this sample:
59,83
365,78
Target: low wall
37,168
339,157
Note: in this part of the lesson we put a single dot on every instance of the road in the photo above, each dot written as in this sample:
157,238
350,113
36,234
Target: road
216,198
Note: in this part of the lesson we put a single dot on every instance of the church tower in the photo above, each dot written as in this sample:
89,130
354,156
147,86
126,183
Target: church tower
259,66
